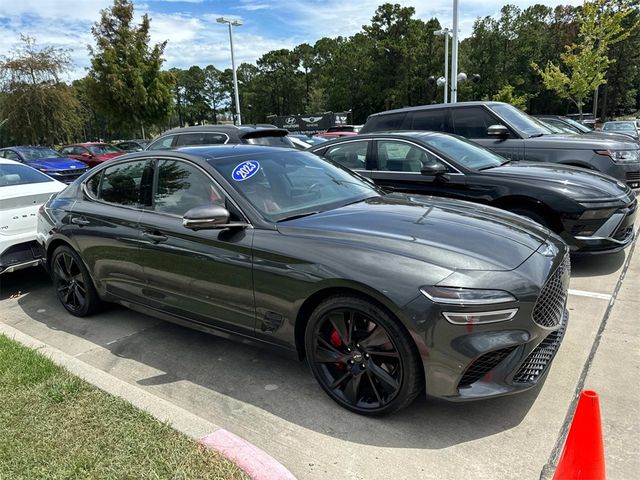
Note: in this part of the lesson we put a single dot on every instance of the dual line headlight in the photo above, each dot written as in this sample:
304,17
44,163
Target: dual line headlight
465,297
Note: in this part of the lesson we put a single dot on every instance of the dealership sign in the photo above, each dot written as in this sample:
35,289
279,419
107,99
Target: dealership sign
314,123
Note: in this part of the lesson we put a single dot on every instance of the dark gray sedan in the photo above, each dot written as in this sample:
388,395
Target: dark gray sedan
386,296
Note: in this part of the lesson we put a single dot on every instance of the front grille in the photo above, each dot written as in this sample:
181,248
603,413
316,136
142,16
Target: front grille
623,233
539,359
633,175
482,365
549,308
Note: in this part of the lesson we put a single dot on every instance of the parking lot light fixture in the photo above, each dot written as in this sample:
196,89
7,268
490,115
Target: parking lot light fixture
446,32
233,23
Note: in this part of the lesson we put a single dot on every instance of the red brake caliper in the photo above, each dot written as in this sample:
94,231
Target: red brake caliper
334,339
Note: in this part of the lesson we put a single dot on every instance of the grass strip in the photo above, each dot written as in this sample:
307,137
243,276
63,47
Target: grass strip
54,425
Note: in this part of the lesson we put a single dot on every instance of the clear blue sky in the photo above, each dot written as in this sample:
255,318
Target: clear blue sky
196,39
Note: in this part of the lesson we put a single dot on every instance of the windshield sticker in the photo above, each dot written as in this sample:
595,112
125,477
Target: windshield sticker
245,170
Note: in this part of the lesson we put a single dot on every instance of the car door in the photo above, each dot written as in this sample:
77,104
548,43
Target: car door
398,165
203,276
473,123
103,224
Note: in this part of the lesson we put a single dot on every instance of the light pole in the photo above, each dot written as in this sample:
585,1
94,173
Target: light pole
235,23
454,55
445,32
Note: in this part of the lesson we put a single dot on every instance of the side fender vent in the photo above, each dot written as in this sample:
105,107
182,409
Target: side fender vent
272,321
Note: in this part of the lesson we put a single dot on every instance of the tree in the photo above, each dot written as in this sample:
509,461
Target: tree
586,62
125,82
37,108
507,94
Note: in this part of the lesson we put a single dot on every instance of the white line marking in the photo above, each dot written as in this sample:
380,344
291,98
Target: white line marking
582,293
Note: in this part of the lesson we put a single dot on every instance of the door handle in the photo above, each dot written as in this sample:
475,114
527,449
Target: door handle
155,237
80,221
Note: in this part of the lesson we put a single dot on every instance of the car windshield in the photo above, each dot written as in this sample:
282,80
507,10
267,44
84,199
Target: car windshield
102,149
522,122
556,128
310,140
30,154
286,184
577,125
464,152
628,126
11,174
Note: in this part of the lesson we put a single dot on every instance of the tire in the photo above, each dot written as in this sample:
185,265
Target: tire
362,357
73,284
532,215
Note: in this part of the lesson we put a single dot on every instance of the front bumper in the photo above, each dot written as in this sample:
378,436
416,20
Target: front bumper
614,235
21,255
469,362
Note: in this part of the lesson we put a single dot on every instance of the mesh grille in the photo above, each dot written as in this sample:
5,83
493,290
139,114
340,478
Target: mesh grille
633,175
549,308
539,359
484,364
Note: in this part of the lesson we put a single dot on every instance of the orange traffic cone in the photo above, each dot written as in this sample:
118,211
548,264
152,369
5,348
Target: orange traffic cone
583,454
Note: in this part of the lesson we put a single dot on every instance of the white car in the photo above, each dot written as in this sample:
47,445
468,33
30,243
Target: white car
22,190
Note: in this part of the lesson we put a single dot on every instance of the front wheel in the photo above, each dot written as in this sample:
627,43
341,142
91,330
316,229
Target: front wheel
72,282
362,357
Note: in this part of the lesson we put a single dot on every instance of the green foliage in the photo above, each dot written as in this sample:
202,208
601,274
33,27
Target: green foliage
37,108
585,62
125,83
507,94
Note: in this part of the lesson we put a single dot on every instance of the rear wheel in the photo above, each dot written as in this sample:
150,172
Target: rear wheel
72,282
362,357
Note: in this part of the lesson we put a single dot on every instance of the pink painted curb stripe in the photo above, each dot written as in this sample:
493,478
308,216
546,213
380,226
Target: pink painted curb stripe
256,463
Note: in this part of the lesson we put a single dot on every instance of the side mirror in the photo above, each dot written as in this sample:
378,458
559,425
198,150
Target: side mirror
433,169
499,131
208,217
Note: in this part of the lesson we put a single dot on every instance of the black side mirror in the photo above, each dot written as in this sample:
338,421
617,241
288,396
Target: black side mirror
208,217
433,169
499,131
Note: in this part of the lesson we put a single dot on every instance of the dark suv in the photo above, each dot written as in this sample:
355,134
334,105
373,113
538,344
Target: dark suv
515,135
221,134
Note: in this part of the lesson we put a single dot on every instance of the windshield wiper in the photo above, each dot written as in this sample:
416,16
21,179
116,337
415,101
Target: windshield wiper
298,215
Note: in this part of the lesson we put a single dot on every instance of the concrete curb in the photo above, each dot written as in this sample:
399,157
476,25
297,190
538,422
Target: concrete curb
253,461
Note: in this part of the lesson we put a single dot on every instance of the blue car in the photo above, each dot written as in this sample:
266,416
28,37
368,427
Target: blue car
48,161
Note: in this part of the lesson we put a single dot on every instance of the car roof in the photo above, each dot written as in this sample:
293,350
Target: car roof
224,150
25,147
85,144
221,128
437,106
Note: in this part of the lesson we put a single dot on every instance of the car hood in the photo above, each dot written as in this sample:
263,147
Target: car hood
608,135
56,163
452,234
578,183
580,142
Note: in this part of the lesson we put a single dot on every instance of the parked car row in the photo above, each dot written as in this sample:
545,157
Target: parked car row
335,254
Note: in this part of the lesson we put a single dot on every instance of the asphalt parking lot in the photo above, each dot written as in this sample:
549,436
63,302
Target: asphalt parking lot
275,403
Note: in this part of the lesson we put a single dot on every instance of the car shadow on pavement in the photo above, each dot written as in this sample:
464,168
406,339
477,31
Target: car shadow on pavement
218,376
593,265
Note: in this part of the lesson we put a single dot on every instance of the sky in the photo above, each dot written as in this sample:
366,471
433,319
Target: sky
194,37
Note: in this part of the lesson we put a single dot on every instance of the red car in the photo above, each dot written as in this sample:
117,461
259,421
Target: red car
331,135
91,153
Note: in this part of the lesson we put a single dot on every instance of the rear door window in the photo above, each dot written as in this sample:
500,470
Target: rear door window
383,123
127,184
163,143
352,155
431,119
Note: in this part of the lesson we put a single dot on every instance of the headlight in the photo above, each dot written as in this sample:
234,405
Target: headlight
466,296
621,156
597,214
474,318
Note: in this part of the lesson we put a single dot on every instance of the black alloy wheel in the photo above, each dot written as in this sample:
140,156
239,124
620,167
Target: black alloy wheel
361,357
72,282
